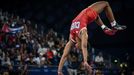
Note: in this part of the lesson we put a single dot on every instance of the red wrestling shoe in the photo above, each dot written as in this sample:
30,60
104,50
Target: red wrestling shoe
109,31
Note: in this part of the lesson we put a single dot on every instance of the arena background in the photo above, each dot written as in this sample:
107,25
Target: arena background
58,14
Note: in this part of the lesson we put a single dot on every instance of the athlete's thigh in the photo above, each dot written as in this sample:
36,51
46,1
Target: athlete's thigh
99,6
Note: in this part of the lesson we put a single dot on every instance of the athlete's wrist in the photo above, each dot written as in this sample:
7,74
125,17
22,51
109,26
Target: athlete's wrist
59,70
85,60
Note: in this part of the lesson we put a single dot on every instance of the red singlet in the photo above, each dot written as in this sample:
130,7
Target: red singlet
86,16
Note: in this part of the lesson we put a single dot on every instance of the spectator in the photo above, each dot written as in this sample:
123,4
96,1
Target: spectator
50,57
55,57
99,58
99,62
30,60
42,50
11,70
51,42
12,55
23,41
43,61
6,60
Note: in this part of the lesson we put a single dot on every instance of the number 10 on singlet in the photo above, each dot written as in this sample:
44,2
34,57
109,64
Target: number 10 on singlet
75,25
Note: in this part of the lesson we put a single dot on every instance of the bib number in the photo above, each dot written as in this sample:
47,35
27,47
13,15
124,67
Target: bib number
75,25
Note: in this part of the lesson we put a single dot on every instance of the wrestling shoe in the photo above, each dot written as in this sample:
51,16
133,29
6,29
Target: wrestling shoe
109,31
118,27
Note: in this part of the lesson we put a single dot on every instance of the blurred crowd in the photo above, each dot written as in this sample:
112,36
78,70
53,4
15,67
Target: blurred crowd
22,45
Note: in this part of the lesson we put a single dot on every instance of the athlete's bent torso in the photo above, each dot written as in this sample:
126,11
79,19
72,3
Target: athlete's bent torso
85,17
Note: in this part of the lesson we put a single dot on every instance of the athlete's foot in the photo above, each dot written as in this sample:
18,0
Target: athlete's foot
119,27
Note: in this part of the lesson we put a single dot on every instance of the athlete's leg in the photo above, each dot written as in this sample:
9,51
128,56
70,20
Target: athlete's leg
106,30
99,21
103,5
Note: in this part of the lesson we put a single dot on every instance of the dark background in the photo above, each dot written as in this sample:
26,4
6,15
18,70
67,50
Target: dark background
58,14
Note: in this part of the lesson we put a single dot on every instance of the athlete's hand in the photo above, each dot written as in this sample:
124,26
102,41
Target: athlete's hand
88,67
109,31
60,73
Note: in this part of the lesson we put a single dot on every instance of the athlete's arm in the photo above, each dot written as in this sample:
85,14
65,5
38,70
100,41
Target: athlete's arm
84,39
65,55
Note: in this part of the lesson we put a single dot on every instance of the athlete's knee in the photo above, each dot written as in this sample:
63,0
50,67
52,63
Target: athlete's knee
105,2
